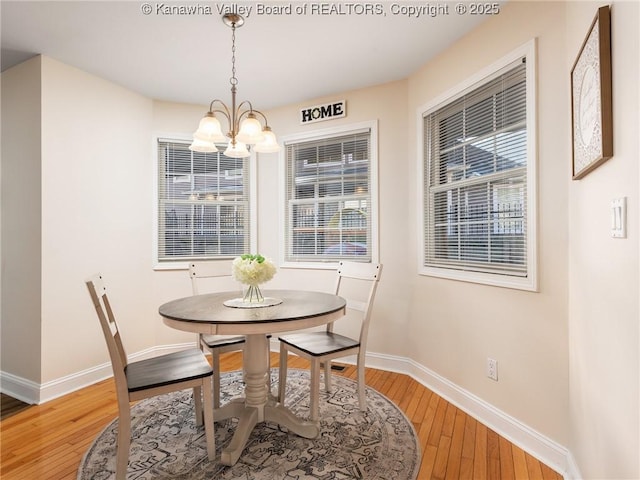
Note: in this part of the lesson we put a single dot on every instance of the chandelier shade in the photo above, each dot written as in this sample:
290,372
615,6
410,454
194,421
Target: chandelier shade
244,127
203,146
250,130
269,144
209,130
237,150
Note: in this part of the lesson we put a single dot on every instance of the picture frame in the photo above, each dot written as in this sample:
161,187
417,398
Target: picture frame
591,98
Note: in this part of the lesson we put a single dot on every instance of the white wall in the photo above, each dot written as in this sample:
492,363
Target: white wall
603,271
21,231
455,326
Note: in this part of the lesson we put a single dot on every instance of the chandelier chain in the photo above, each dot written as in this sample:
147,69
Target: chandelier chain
233,80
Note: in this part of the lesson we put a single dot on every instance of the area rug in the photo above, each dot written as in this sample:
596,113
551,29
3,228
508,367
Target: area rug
377,444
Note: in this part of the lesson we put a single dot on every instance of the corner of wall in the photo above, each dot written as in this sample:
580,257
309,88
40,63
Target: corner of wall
21,227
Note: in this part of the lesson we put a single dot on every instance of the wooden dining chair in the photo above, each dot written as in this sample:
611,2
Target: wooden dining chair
148,378
324,346
199,272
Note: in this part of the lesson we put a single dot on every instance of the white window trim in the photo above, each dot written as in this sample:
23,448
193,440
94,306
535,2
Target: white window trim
530,282
316,135
253,203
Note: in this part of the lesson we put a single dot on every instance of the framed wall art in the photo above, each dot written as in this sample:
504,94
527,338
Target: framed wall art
591,98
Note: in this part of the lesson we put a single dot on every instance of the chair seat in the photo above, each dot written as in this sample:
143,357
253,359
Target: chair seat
319,343
167,369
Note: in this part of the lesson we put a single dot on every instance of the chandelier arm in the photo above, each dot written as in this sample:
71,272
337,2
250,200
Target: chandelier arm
264,117
225,112
240,114
247,102
226,115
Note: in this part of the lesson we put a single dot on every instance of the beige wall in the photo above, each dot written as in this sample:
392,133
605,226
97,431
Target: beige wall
603,271
455,326
568,354
21,230
97,184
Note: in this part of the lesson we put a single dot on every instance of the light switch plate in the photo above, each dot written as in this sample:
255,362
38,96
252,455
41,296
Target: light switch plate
619,218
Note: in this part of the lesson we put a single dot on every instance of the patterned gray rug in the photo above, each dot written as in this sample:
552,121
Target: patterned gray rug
377,444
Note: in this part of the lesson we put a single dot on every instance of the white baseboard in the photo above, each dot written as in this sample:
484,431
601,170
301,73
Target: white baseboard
19,388
544,449
549,452
33,393
573,472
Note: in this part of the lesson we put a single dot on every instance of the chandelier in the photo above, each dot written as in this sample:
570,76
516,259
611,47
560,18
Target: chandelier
244,127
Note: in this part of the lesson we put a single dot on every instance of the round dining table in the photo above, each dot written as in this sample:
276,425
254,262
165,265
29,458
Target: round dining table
223,313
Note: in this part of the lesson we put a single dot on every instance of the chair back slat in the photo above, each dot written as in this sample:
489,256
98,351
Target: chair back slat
356,305
359,270
362,273
208,269
98,294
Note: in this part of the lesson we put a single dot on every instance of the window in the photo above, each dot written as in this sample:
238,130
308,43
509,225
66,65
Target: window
203,204
330,198
478,175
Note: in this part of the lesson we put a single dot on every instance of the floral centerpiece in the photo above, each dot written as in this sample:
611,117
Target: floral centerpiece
252,270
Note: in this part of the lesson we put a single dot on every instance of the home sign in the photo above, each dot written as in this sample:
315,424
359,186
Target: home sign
328,111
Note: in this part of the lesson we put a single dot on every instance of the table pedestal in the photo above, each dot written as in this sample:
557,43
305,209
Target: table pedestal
258,405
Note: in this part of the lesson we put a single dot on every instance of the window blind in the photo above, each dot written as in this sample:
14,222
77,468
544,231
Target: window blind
475,178
328,195
203,203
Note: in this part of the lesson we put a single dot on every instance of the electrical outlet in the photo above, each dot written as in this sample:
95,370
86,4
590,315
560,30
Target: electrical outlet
492,369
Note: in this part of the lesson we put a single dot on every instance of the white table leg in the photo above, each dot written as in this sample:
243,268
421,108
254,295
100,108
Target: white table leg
256,369
258,405
247,420
281,415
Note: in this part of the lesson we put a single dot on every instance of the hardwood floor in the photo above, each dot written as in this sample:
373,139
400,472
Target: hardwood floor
10,406
48,441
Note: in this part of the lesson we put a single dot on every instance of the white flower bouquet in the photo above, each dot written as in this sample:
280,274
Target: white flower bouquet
253,270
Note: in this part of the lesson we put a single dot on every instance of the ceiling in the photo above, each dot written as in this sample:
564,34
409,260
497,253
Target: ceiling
280,58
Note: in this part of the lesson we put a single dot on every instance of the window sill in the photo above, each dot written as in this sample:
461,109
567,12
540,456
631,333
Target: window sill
168,266
528,283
